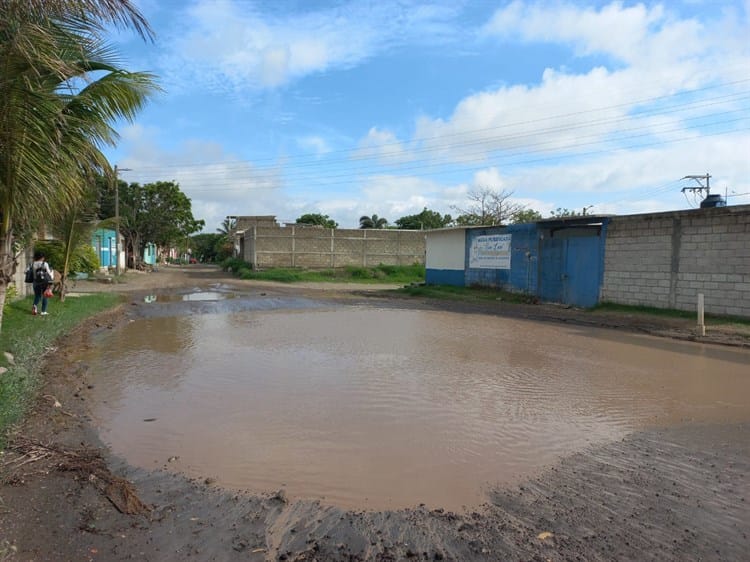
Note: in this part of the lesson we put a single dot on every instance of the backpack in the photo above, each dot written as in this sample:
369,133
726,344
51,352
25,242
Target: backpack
29,275
41,276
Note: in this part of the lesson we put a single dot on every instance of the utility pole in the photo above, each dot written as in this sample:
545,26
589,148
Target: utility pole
700,187
117,221
117,217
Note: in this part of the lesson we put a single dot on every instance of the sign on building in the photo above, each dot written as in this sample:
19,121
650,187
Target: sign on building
490,252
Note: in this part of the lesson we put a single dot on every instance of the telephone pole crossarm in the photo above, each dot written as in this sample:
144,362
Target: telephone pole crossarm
699,180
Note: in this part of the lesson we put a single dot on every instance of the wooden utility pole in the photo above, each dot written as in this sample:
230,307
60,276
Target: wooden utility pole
117,216
117,221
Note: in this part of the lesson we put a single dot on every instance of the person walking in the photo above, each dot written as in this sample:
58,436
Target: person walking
42,282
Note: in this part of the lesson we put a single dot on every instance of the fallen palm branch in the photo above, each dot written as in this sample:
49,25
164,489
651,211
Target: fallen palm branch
86,462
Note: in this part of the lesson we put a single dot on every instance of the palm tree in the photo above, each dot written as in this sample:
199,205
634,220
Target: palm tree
227,226
372,222
74,226
54,115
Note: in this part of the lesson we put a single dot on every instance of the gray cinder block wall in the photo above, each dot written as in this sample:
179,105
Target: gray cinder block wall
323,248
665,259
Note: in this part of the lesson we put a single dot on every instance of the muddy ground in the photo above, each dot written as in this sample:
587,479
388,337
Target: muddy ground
673,494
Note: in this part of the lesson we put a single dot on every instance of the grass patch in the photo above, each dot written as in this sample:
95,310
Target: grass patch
670,313
466,293
28,338
651,310
378,274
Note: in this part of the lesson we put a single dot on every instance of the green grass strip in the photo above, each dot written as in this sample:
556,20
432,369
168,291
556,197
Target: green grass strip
478,294
386,274
669,313
28,338
469,294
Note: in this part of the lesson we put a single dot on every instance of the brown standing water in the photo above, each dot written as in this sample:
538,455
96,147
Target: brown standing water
386,408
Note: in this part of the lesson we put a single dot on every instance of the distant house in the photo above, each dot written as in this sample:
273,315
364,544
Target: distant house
149,253
104,242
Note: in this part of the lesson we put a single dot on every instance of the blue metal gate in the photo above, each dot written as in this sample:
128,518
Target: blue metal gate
570,266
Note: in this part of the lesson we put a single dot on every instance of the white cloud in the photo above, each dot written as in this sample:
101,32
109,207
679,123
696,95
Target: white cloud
315,144
623,32
228,45
223,186
382,145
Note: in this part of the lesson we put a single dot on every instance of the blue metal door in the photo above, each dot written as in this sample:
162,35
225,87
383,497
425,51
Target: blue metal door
570,268
583,270
551,269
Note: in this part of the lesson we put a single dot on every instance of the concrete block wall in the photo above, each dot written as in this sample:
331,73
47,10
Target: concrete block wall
666,259
323,248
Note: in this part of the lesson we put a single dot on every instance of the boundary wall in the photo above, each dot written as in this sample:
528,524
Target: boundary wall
324,248
665,259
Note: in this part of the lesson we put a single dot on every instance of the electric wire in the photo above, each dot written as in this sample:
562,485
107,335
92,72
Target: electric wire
437,165
378,155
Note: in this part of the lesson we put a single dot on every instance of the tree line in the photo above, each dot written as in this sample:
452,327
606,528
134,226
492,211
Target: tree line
485,207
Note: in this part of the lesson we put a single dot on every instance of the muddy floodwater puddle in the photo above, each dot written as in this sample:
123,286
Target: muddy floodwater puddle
193,296
386,408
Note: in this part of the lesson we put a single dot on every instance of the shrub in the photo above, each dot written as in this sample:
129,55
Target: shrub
233,265
82,260
359,272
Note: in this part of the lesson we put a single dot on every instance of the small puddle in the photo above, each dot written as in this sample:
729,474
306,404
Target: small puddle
194,296
388,408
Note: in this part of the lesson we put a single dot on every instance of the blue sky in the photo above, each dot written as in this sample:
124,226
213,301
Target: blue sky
352,108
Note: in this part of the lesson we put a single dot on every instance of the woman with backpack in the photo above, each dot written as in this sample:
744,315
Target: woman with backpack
42,281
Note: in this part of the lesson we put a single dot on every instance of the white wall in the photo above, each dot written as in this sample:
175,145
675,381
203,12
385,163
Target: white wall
446,249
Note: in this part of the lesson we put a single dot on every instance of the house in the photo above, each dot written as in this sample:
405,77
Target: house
104,242
149,253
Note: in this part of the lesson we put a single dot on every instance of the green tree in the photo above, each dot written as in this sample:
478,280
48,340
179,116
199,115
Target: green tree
73,227
223,247
373,222
60,92
210,247
561,213
526,215
318,220
227,226
426,220
155,212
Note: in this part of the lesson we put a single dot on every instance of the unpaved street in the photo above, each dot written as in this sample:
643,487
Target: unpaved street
676,493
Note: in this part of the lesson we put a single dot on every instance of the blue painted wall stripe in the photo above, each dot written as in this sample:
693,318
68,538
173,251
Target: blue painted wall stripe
453,277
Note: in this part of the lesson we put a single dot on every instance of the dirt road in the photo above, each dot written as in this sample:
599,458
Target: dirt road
675,494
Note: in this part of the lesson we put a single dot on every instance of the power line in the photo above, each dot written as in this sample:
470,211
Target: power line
293,172
348,178
484,145
507,158
303,158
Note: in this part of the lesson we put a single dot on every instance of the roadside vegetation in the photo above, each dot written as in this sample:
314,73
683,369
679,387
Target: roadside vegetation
377,274
482,294
451,292
28,339
711,319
